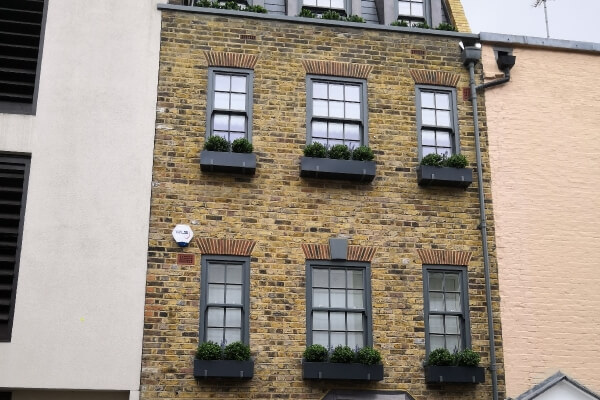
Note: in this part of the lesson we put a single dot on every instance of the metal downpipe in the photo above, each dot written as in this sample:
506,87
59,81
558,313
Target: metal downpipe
484,239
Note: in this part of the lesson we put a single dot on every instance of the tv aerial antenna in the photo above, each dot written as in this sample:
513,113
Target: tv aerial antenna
537,3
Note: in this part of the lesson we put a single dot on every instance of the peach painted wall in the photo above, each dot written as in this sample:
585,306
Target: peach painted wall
544,138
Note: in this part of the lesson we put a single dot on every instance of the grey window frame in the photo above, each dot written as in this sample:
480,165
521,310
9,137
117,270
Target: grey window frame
454,115
426,12
466,321
364,109
347,7
245,262
249,74
368,323
6,331
434,11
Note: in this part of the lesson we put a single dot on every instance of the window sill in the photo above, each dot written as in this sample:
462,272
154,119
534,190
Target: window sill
326,168
327,371
235,163
444,176
223,369
438,374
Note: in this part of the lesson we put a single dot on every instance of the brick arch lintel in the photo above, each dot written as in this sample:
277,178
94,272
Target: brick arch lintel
335,68
226,247
232,60
444,257
322,252
438,78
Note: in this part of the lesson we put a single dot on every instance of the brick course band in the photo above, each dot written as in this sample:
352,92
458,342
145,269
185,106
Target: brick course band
226,247
334,68
322,252
444,257
438,78
233,60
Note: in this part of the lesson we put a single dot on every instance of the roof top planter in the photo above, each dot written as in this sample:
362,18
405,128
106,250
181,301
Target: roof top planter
315,164
343,364
209,362
436,170
461,367
218,157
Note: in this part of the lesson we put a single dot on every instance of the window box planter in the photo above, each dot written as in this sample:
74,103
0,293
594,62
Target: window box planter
327,168
444,176
221,161
223,369
326,370
439,374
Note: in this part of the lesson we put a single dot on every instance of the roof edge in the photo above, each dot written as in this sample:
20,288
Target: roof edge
548,383
532,41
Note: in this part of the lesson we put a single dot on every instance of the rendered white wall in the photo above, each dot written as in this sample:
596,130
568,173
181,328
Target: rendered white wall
68,395
80,296
564,391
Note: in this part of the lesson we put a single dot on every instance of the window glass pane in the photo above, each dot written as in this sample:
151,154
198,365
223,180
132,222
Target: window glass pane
321,338
428,150
427,100
428,117
233,335
436,301
222,101
403,8
352,93
452,324
336,92
233,317
234,274
216,294
319,277
234,294
338,278
320,108
355,299
355,340
336,131
319,89
355,321
323,3
428,137
338,298
435,281
453,302
355,279
338,338
320,298
222,83
443,139
436,342
353,110
453,343
238,84
436,324
215,316
443,151
452,283
336,109
238,101
443,118
417,10
352,132
319,129
236,135
320,320
216,273
337,3
322,141
442,101
238,123
221,122
337,321
214,335
309,3
333,142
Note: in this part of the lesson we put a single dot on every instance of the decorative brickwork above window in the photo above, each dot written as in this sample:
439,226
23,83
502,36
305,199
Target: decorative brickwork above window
444,257
232,60
226,247
334,68
438,78
322,252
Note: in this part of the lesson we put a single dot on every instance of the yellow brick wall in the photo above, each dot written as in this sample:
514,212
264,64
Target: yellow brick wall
281,211
457,15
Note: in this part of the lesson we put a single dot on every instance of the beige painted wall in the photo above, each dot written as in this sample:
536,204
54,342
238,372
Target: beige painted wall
80,296
544,142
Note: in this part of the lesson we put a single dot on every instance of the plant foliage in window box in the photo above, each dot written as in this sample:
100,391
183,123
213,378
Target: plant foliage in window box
315,164
461,367
217,157
231,362
343,363
436,170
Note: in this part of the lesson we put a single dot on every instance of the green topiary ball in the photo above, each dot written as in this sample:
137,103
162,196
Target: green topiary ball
456,161
339,152
241,145
468,358
236,351
217,143
208,351
432,160
368,356
316,353
315,150
363,153
342,354
440,357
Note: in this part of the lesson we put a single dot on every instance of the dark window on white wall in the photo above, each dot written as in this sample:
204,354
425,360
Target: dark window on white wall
338,304
229,105
14,174
437,121
446,308
336,111
225,299
5,395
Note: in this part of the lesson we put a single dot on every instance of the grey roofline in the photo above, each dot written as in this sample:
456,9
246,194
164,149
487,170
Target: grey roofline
315,21
549,383
531,41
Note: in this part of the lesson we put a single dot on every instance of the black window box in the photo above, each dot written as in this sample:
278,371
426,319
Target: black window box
222,161
438,374
223,369
327,168
444,176
326,370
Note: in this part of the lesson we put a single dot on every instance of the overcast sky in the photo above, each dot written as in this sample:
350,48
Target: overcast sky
568,19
